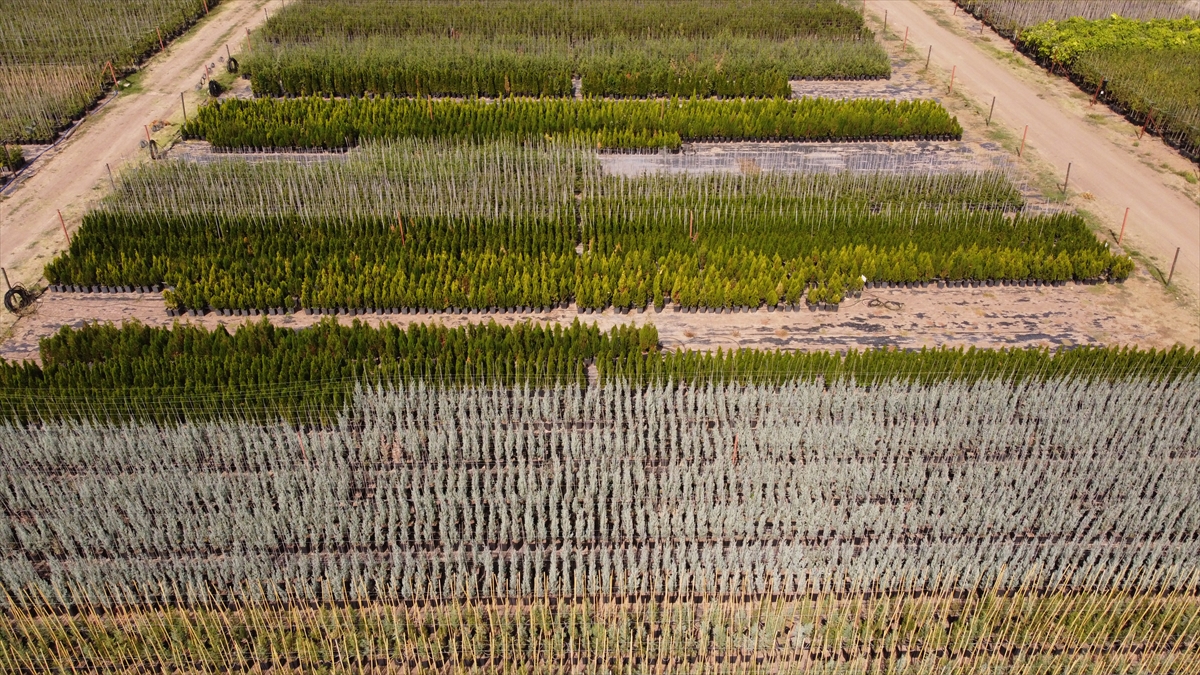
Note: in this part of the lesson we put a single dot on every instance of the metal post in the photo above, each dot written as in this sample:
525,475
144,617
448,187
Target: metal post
1068,178
928,56
111,182
227,55
1172,274
1123,221
989,119
6,278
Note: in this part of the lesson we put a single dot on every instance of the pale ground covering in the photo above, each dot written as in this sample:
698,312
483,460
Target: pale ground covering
1110,170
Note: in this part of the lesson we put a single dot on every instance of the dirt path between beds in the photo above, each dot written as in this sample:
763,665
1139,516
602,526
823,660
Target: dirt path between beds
73,176
1001,316
1106,160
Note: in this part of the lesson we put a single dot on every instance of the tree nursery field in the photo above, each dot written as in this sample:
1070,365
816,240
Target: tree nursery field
522,48
1143,59
56,59
348,498
556,497
420,226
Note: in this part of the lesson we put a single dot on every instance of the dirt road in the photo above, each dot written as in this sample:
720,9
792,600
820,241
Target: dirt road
75,176
1161,217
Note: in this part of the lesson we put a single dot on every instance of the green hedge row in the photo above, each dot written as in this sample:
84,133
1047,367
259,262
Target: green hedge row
338,123
307,20
819,251
611,67
102,372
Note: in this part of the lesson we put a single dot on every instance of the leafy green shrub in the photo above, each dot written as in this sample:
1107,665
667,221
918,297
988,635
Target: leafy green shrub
12,157
1148,70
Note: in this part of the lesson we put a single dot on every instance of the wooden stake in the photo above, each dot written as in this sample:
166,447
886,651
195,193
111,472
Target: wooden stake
1097,94
885,22
227,55
113,72
249,45
68,235
161,46
905,40
1067,180
953,72
111,182
147,128
1149,119
183,104
206,6
1123,221
1021,152
401,221
1172,274
928,56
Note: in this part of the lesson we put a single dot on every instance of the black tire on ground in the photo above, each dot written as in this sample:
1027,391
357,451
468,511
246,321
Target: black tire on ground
17,299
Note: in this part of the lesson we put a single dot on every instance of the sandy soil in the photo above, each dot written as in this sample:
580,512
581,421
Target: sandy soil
983,317
73,175
1100,147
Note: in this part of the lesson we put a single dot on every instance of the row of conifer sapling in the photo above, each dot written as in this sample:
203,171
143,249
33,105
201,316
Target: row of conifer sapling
815,297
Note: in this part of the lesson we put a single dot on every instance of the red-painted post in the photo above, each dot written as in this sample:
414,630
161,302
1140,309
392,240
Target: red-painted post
1097,94
1021,152
64,227
1149,119
206,6
1123,221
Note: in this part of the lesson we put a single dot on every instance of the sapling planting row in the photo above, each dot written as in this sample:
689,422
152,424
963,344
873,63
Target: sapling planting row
503,225
102,372
617,66
313,122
